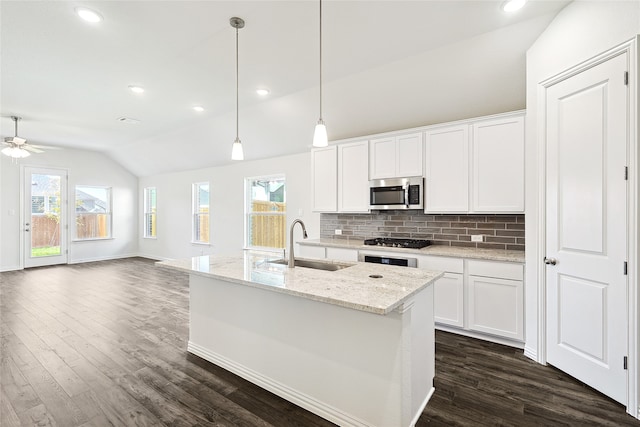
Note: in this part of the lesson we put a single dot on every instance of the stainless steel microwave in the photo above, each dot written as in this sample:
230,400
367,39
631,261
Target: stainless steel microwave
396,193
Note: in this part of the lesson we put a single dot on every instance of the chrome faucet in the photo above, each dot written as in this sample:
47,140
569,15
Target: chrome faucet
304,234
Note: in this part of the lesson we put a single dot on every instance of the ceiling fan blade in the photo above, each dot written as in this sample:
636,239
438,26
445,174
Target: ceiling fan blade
31,148
44,147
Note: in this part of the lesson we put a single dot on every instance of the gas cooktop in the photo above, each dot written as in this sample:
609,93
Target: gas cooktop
398,243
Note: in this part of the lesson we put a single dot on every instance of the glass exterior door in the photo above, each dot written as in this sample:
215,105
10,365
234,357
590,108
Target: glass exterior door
44,218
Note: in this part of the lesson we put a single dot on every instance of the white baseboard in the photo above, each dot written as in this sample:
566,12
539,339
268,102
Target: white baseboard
10,268
480,336
153,257
531,353
309,403
422,406
102,258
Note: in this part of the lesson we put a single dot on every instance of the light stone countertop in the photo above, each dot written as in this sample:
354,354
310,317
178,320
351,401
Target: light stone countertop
435,250
350,287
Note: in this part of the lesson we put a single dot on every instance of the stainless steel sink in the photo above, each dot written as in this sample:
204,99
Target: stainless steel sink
316,264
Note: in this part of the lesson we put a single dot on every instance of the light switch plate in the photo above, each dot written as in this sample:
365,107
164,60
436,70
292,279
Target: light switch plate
477,238
337,231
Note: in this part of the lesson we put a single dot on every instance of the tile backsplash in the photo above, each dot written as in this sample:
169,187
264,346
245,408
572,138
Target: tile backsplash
499,231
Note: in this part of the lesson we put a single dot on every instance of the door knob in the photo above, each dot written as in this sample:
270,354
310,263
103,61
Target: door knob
550,261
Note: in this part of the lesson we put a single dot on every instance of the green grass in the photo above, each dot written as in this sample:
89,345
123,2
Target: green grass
45,251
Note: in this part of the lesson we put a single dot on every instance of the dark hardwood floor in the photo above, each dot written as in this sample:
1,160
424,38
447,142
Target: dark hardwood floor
102,344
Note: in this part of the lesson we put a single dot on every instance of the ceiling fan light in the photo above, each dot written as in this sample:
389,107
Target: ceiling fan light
320,135
15,152
236,151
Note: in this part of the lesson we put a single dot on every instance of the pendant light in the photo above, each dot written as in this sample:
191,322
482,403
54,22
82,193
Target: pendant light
320,134
236,151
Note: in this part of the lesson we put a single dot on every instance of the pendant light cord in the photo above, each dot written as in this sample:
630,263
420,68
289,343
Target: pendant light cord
320,59
237,96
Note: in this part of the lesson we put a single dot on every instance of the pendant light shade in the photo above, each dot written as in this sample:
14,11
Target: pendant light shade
320,134
236,151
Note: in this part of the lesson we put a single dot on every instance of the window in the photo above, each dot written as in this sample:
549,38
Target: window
265,212
93,212
150,212
200,210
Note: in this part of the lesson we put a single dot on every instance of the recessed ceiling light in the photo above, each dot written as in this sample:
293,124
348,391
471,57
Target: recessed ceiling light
198,108
513,5
136,89
262,92
88,14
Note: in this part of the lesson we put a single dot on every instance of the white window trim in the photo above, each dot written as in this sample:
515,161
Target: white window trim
109,213
247,203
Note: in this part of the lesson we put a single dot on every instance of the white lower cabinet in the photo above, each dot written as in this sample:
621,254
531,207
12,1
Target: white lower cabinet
449,300
495,303
483,299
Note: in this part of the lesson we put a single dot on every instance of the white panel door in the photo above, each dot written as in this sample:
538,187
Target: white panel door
44,217
447,170
498,165
409,155
353,177
383,158
324,179
587,226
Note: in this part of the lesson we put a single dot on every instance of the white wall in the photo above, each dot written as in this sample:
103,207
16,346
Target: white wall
581,30
227,205
84,168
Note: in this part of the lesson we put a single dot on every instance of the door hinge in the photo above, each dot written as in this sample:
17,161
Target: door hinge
624,363
625,268
626,173
626,78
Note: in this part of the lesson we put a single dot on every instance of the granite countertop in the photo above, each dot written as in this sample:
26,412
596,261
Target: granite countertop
435,250
351,287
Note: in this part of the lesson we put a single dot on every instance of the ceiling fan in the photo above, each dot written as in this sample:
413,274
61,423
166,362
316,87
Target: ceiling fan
17,147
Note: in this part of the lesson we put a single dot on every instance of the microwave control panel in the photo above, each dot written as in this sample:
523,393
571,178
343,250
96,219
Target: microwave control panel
414,194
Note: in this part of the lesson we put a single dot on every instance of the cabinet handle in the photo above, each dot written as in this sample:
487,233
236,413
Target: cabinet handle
550,261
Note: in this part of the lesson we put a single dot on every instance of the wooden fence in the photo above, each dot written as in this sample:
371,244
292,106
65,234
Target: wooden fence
268,230
45,230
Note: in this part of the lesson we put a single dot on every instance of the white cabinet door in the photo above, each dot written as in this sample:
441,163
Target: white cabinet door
342,254
447,170
448,299
324,179
305,251
495,306
383,158
353,177
498,165
409,155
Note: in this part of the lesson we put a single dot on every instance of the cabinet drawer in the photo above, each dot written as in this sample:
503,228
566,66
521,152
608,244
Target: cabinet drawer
504,270
450,265
342,254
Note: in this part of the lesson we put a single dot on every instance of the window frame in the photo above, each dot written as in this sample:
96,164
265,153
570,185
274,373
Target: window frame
149,212
195,214
248,199
108,213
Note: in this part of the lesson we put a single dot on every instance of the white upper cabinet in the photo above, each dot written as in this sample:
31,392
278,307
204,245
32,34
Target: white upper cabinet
396,156
324,179
353,177
498,165
476,167
447,169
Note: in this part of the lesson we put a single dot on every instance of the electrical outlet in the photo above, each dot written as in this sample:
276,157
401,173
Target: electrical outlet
477,238
338,232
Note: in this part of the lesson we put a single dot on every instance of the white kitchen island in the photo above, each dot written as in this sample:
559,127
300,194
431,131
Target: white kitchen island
354,349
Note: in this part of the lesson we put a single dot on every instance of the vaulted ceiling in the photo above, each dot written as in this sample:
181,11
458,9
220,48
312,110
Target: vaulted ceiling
387,65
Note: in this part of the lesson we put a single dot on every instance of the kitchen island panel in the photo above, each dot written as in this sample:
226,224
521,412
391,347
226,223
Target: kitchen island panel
351,367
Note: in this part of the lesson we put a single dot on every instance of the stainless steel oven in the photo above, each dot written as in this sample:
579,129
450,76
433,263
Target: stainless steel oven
396,193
